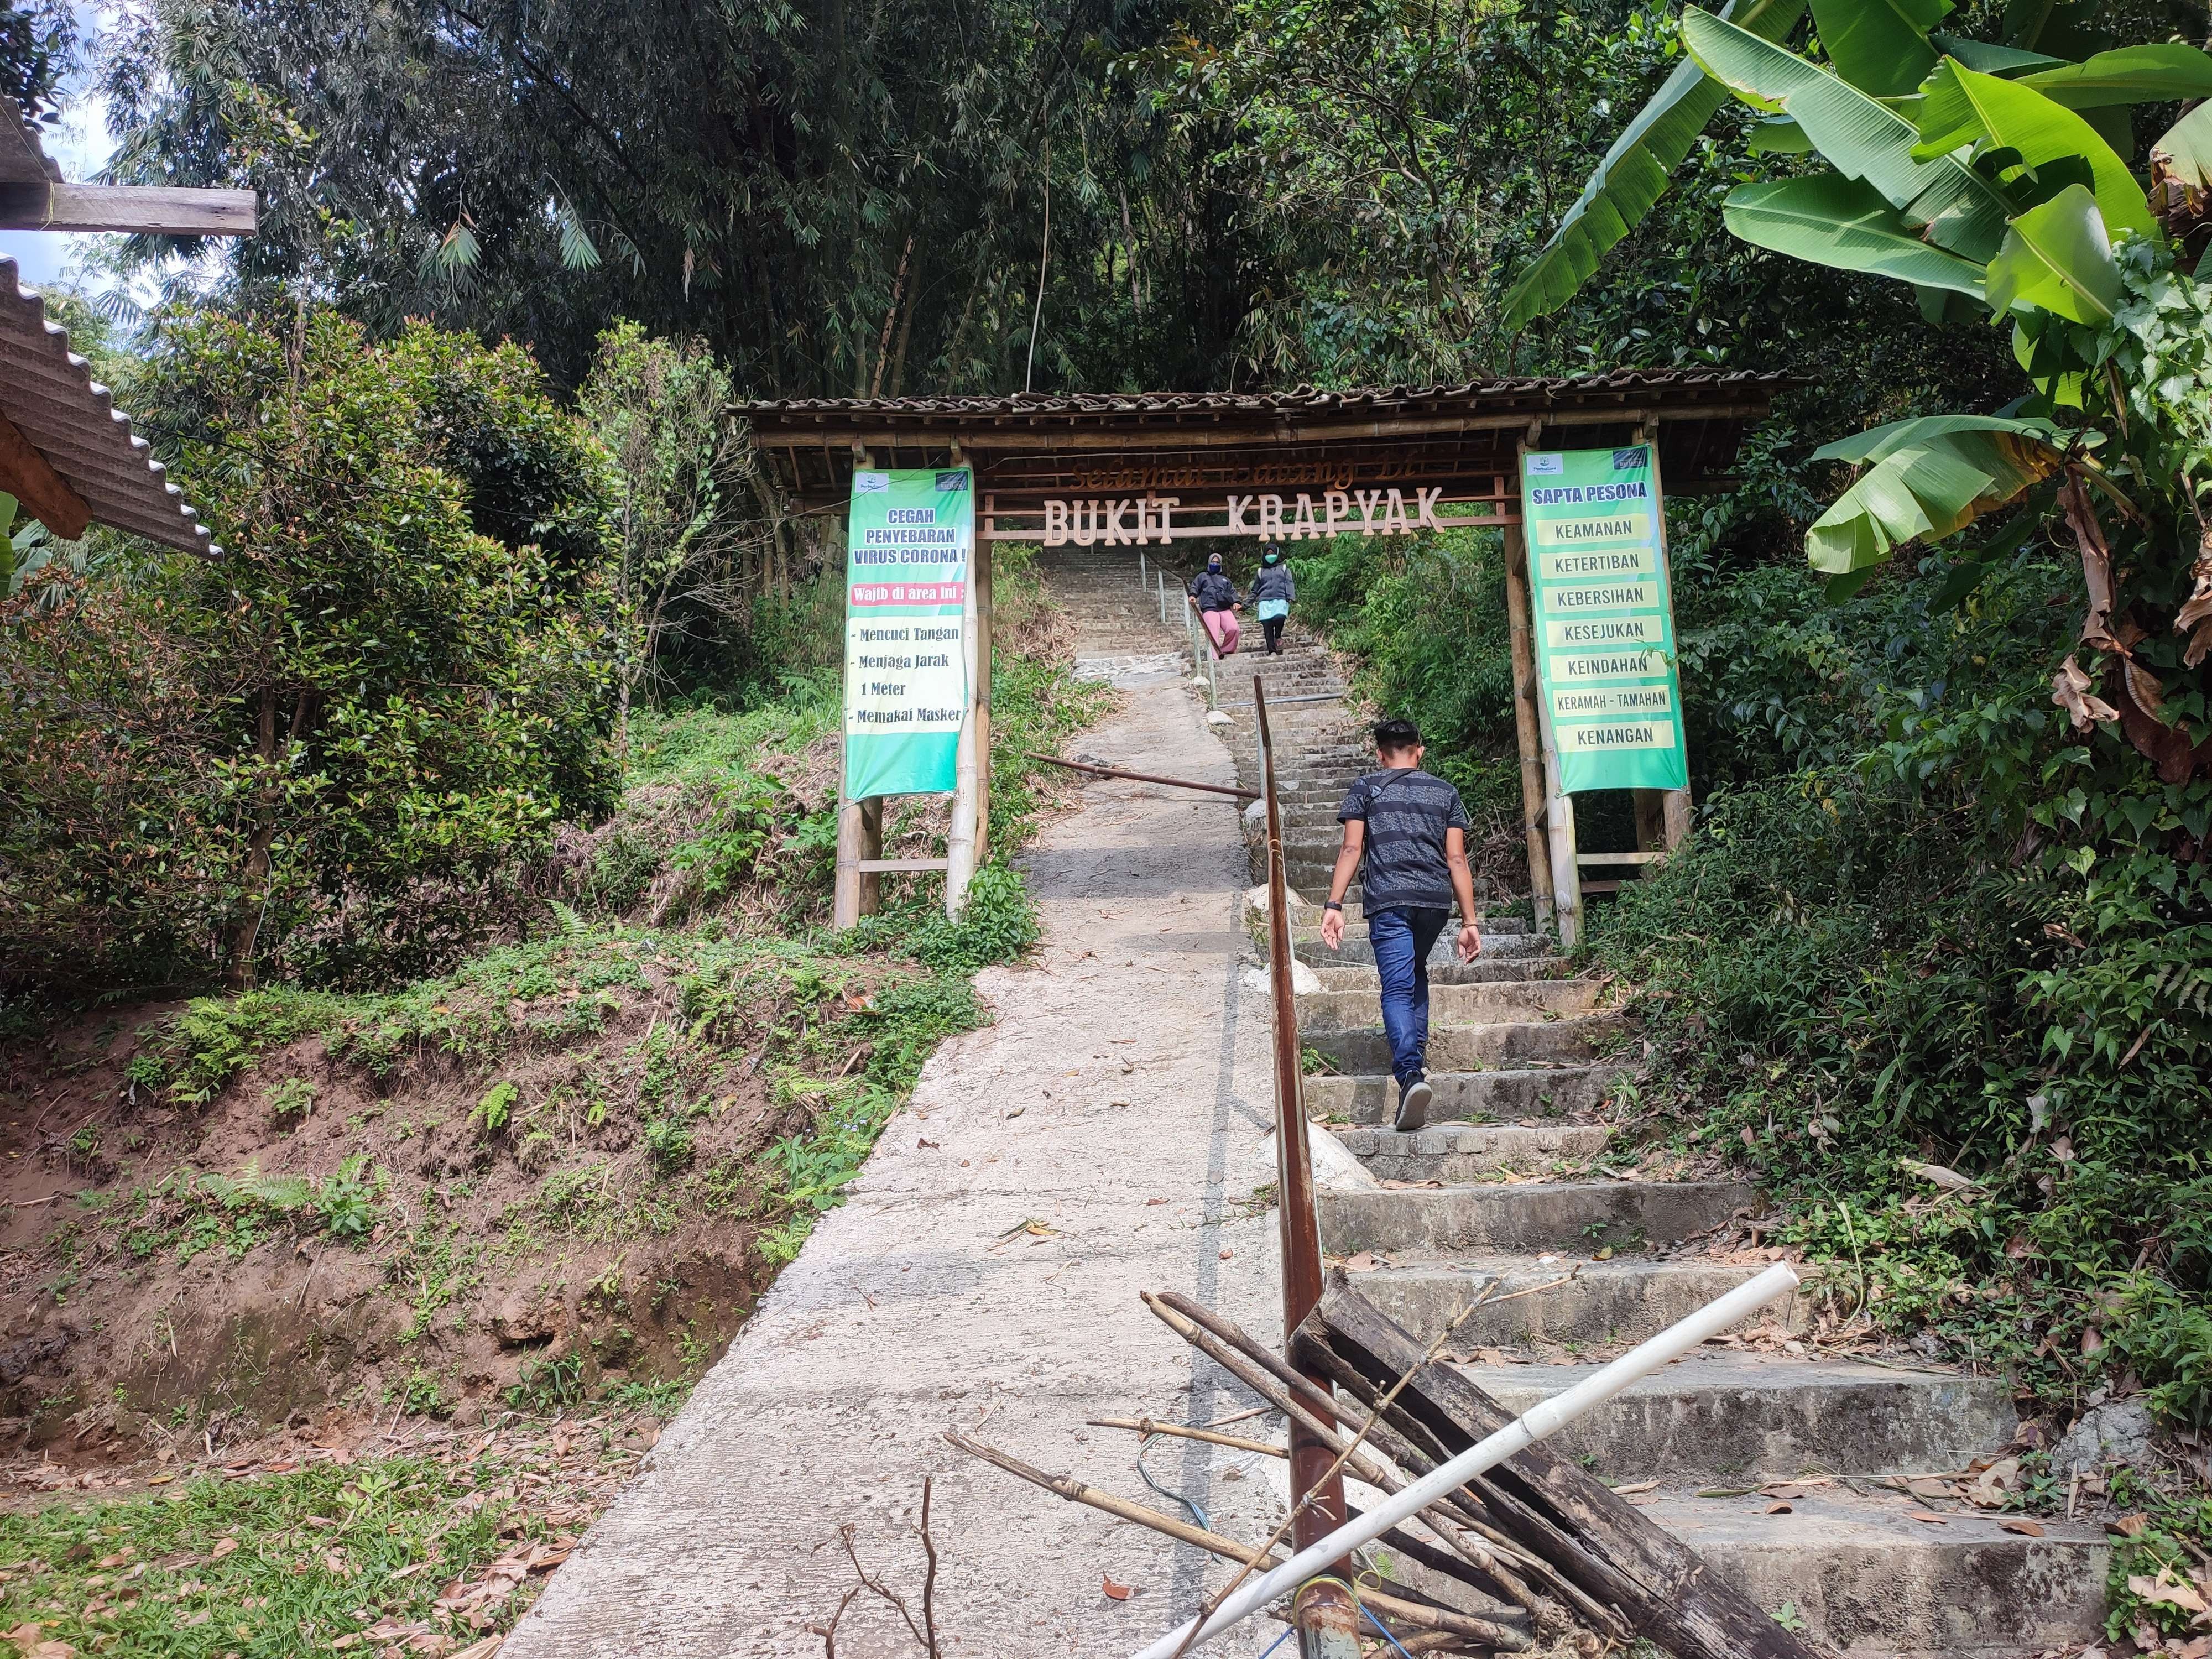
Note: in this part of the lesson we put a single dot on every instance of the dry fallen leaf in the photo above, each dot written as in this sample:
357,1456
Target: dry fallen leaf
1926,1519
2164,1591
1779,1509
2129,1526
1364,1262
222,1546
2025,1529
1118,1592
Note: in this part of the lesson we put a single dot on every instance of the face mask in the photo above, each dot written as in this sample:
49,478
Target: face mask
1213,563
1272,558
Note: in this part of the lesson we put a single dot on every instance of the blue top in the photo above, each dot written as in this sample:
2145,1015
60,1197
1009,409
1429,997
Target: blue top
1407,811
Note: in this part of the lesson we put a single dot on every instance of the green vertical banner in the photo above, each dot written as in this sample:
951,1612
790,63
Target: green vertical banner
909,536
1604,618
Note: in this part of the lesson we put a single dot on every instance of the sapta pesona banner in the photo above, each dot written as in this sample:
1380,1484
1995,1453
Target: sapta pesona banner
1604,618
909,540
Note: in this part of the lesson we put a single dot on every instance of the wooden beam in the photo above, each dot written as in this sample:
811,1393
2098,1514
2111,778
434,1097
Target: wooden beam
1267,436
1527,723
42,492
134,209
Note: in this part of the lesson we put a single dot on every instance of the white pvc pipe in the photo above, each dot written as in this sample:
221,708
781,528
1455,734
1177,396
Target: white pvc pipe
1548,1417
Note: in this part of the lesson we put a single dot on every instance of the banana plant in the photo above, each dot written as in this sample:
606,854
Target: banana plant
1994,178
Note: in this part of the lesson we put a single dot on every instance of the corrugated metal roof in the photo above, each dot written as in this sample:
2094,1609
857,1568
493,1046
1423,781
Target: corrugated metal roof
1665,387
47,392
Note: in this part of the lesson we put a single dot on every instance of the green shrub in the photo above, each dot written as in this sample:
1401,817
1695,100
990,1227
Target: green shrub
292,1097
326,752
998,924
667,1143
215,1038
624,864
347,1206
490,1113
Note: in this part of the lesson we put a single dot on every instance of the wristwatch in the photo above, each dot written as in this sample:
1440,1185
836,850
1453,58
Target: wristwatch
1334,904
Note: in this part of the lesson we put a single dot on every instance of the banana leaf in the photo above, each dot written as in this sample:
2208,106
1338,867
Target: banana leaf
1858,135
1830,219
1634,173
1992,60
2185,152
2058,258
1880,46
2151,74
1778,135
2018,118
1926,477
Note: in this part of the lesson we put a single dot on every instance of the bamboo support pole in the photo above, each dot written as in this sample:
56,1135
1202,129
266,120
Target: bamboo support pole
984,661
1527,727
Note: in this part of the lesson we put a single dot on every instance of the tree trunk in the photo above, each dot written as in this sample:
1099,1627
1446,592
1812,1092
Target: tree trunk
253,888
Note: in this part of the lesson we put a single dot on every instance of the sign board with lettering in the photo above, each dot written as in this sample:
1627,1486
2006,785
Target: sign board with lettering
1604,618
909,538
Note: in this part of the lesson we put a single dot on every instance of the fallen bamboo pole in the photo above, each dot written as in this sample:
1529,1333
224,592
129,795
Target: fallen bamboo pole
1214,1333
1546,1418
1450,1521
1146,1425
1414,1614
1146,777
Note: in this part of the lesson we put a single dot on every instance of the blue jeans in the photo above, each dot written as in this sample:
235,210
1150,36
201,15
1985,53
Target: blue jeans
1403,936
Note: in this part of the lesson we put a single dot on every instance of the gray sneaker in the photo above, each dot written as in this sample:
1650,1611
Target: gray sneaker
1413,1104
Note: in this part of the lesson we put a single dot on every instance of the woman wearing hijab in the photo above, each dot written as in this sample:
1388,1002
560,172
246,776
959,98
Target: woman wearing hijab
1273,589
1215,596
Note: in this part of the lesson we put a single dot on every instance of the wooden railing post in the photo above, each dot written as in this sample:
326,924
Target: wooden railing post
1527,727
1559,805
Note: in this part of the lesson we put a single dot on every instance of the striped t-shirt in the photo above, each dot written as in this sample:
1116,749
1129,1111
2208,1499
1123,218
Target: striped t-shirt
1407,811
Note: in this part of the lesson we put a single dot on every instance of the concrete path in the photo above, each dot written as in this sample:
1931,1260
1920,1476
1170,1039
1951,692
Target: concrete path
1121,1099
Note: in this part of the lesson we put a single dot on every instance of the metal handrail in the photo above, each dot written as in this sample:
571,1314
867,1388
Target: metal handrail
1299,1216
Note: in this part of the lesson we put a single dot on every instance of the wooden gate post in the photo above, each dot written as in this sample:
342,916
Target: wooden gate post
961,840
1559,805
984,550
1528,729
1674,824
845,909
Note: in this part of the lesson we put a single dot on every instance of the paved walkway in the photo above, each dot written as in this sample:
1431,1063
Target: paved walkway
1122,1098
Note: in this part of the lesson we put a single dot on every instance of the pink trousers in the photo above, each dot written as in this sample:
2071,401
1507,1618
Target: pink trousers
1221,628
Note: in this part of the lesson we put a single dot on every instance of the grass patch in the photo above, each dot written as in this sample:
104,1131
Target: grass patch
265,1569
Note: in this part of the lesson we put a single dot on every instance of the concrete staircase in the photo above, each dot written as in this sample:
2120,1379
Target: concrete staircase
1120,636
1514,1190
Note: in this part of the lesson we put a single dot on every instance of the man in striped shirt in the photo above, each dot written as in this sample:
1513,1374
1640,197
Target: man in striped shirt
1410,828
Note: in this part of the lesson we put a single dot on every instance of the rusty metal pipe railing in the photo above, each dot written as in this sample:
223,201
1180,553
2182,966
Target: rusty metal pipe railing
1325,1614
1145,777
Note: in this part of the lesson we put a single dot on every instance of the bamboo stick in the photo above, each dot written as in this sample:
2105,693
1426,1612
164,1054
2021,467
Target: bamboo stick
1184,1432
1414,1614
1408,1442
1387,1435
1544,1419
1444,1519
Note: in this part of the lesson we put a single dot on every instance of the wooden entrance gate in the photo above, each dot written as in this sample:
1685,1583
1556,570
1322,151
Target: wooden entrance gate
1149,470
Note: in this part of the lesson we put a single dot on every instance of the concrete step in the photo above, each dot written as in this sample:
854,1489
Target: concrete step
1576,1039
1872,1583
1485,970
1354,951
1607,1308
1719,1417
1507,1094
1482,1003
1307,914
1468,1152
1577,1217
